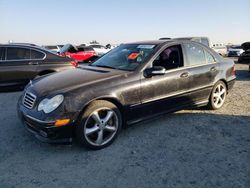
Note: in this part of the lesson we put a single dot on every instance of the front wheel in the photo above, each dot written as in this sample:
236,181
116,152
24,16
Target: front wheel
99,125
218,96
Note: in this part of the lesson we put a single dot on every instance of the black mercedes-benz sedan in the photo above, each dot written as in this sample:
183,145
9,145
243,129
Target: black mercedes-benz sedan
20,63
131,83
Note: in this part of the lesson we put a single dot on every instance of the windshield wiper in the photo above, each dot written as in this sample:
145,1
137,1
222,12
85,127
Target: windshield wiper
104,66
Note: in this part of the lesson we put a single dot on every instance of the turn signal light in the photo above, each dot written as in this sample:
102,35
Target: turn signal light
233,71
61,122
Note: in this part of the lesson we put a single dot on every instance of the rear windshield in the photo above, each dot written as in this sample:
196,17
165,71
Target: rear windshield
51,47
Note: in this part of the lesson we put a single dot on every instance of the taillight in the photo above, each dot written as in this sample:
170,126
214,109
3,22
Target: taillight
233,71
74,63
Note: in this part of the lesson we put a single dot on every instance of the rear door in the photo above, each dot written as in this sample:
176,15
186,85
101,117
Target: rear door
202,68
18,67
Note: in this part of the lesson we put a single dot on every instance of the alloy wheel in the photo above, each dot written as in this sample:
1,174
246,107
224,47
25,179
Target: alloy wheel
219,95
101,126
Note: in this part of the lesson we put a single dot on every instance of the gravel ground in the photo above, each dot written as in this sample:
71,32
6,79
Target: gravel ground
190,148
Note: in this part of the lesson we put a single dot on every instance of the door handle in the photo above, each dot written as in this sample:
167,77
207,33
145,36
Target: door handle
33,63
184,75
213,69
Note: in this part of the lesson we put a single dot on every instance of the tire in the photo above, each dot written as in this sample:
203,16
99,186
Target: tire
218,96
99,125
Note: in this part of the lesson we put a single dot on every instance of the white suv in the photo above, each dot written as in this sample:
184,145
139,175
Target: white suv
220,49
100,49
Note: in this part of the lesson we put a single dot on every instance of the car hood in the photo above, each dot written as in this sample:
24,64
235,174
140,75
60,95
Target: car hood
246,46
74,78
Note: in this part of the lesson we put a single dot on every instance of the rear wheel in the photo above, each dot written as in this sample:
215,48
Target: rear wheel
218,96
99,125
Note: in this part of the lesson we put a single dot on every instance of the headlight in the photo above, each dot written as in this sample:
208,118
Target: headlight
49,105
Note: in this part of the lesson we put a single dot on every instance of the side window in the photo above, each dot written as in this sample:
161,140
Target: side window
14,53
2,55
205,41
209,57
36,55
195,54
170,58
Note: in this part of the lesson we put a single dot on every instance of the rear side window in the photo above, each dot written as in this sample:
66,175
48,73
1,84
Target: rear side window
209,57
14,53
2,55
205,41
36,55
195,54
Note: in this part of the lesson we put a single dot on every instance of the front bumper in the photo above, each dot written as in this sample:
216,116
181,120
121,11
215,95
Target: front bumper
45,131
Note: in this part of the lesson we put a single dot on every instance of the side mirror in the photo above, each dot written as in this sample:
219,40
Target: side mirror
154,71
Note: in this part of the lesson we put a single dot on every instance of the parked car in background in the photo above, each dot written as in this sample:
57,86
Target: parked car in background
235,51
21,63
55,49
220,48
110,46
245,56
131,83
203,40
79,53
100,49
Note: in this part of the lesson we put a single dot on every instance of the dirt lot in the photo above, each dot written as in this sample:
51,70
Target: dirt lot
190,148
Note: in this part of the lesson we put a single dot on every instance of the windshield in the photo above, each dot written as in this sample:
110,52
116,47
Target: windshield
126,56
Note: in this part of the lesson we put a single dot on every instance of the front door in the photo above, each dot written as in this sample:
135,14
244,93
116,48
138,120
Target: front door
165,92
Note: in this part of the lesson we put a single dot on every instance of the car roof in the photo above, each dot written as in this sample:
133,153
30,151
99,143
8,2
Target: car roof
21,45
153,42
246,45
26,46
165,41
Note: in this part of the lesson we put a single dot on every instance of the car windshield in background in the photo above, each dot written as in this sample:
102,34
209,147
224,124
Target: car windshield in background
68,48
236,47
126,56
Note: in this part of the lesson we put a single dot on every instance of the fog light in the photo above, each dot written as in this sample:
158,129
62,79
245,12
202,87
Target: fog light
61,122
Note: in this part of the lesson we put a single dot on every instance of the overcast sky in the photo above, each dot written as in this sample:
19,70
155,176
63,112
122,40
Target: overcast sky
115,21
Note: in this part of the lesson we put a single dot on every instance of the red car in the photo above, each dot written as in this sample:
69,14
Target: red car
79,53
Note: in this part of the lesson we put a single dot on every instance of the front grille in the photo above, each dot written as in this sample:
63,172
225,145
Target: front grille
29,100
